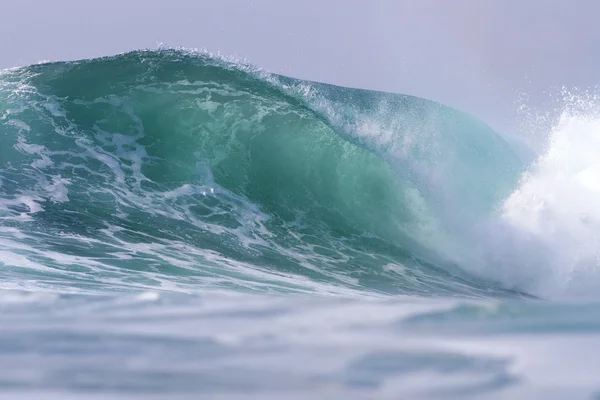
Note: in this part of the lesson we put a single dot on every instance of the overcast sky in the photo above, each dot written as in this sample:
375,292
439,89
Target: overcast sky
471,54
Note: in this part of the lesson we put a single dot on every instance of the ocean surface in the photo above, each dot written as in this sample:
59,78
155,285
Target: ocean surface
177,225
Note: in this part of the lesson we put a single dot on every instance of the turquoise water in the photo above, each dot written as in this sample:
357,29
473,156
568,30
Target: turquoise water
174,224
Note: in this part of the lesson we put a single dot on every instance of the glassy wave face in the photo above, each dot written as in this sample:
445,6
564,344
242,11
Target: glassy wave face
173,225
176,171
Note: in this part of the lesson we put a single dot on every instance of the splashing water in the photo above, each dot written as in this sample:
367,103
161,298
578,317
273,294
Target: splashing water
549,224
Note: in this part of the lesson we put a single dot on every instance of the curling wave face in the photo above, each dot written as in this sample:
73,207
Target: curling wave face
170,170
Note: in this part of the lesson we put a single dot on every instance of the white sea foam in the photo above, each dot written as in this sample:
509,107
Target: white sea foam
546,237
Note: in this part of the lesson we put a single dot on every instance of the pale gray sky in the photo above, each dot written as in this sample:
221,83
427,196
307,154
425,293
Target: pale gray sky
471,54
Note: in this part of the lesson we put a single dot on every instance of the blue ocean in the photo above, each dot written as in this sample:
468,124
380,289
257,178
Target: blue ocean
177,225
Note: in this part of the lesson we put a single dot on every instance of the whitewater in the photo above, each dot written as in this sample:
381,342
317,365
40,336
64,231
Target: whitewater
177,225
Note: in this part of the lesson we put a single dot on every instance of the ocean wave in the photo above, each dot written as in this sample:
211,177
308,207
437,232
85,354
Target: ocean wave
174,170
